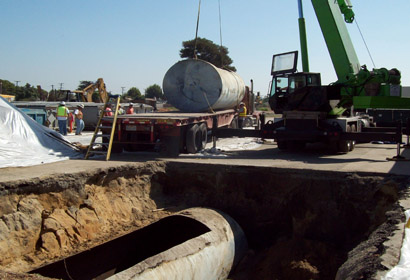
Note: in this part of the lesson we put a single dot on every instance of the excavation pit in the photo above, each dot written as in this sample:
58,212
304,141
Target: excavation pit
300,224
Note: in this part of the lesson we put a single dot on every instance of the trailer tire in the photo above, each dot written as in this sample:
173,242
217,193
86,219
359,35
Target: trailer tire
344,146
204,135
282,145
353,129
297,145
192,139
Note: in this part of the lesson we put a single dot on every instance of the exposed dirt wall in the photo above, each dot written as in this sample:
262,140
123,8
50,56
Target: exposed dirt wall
46,219
300,224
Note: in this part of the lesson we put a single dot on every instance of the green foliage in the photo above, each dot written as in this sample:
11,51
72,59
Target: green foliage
154,91
208,51
133,93
84,84
27,93
8,88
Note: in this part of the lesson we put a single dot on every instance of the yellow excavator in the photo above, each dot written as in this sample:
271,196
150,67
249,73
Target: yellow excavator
87,93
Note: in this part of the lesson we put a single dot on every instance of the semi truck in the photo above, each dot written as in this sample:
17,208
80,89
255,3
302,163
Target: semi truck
204,97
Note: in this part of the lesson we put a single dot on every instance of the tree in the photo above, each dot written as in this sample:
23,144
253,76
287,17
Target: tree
133,93
208,51
154,91
8,88
84,84
27,93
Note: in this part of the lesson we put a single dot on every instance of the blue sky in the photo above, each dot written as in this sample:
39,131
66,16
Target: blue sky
134,42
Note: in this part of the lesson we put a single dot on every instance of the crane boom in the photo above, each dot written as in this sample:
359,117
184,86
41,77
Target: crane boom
339,44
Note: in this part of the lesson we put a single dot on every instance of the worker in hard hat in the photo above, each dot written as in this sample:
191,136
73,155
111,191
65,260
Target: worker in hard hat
62,114
79,122
108,111
130,109
120,110
242,114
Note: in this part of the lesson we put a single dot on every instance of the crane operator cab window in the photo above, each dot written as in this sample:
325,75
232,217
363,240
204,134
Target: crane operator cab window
300,81
280,85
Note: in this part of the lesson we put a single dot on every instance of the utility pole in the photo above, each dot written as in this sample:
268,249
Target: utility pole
61,86
17,83
48,94
122,90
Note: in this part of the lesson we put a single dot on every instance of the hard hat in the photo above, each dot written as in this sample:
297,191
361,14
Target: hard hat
131,104
81,106
62,103
241,103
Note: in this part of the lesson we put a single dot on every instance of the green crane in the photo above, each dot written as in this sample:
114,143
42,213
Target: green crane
356,85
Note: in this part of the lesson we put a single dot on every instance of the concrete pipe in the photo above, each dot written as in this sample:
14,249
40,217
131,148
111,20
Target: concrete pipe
196,86
197,243
210,255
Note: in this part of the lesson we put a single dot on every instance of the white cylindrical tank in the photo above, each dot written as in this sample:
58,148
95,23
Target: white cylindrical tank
197,86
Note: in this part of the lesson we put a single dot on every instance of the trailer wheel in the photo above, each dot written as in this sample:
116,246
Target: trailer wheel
203,131
297,145
353,129
192,139
344,146
282,145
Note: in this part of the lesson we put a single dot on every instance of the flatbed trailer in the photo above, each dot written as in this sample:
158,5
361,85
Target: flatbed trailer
169,133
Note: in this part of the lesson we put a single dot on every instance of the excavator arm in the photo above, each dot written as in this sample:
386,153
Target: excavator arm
87,93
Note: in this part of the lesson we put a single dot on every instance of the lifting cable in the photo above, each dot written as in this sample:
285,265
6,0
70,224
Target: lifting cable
197,26
364,41
196,40
220,33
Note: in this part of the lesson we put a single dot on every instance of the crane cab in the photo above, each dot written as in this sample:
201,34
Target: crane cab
291,90
290,83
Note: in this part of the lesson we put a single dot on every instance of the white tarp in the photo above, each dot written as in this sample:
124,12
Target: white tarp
24,142
402,270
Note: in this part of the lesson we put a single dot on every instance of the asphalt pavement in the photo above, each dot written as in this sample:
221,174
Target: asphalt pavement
365,158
